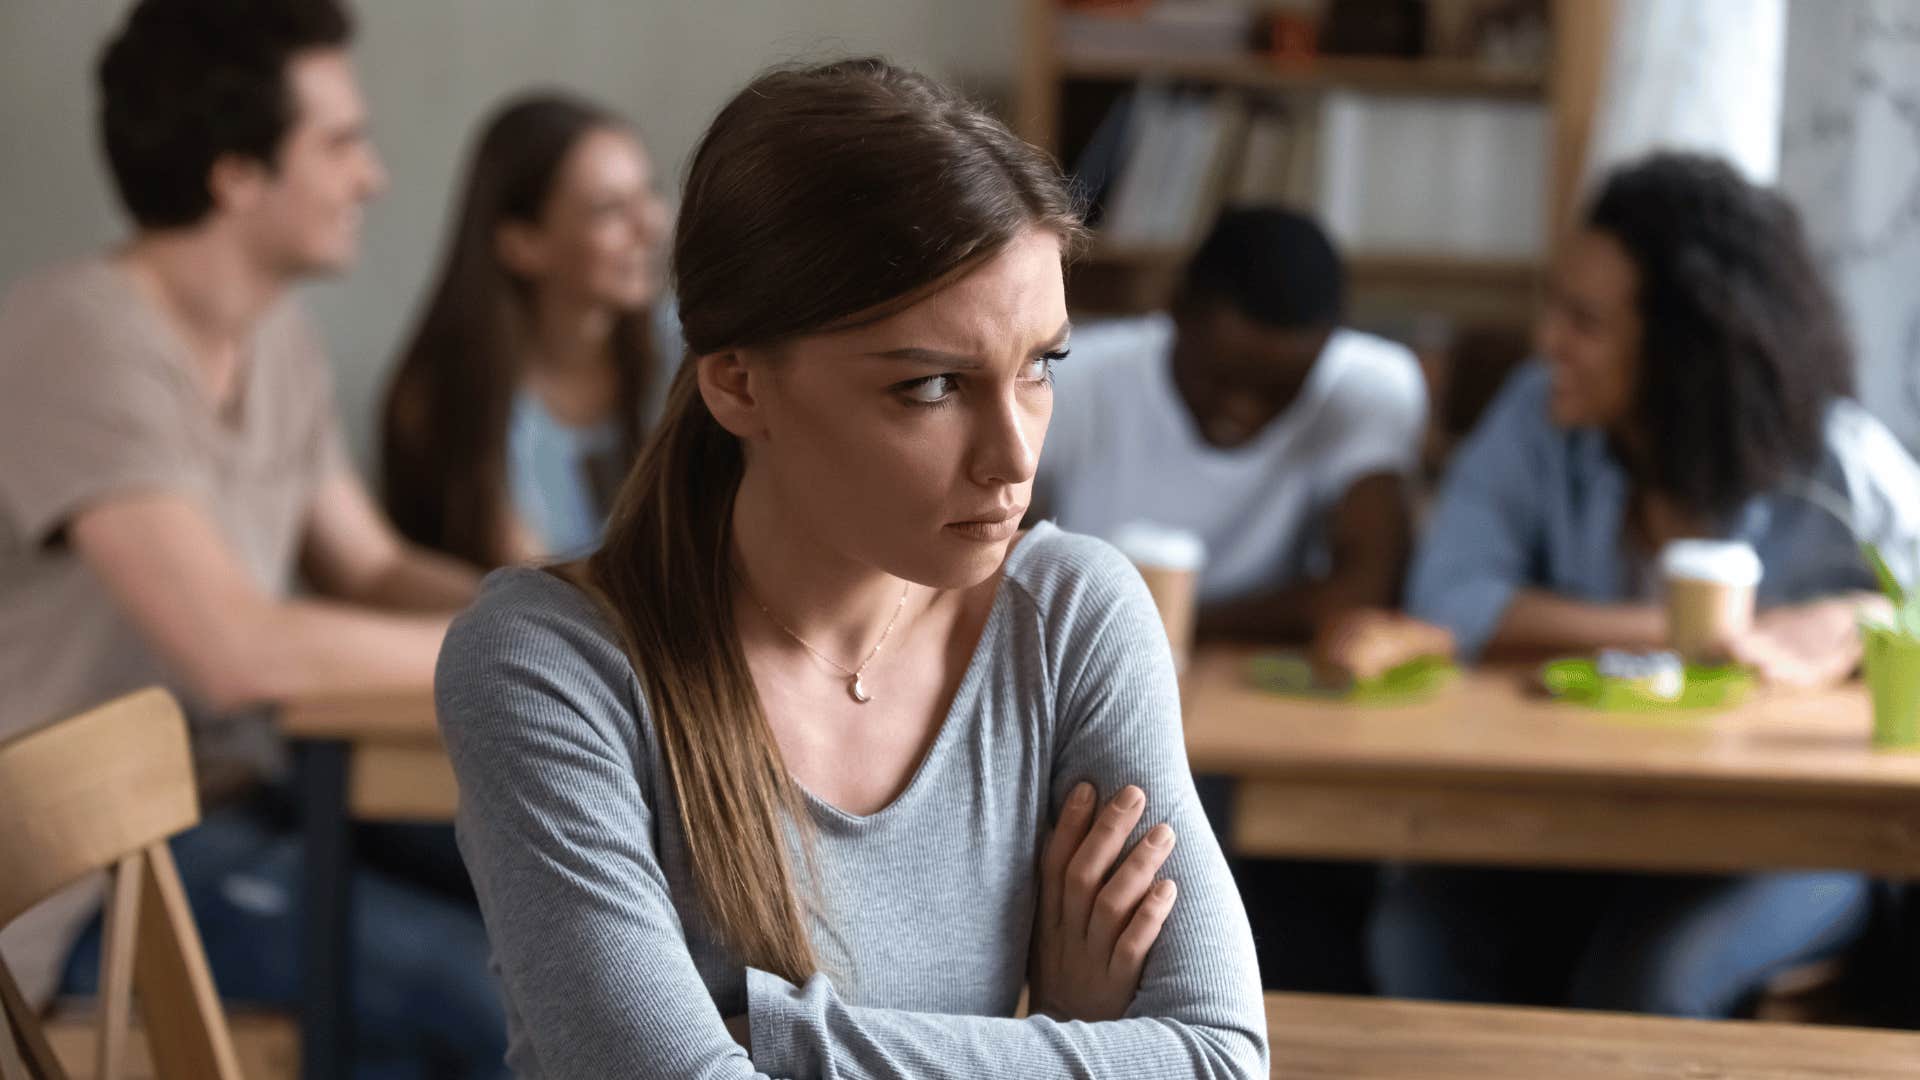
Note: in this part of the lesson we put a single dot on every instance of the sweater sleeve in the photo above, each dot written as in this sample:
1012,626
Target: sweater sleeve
1199,1011
557,834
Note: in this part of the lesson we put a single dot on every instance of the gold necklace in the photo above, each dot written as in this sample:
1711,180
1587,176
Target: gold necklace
854,686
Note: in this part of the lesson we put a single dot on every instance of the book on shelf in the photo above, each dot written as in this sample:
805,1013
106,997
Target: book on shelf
1175,154
1275,161
1420,176
1387,174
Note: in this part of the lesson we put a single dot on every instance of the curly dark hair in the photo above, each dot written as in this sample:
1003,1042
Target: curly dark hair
1743,346
187,81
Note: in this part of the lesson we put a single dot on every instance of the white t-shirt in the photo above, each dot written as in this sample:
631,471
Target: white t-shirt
1122,447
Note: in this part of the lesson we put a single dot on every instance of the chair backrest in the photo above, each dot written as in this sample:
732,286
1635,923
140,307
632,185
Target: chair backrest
103,791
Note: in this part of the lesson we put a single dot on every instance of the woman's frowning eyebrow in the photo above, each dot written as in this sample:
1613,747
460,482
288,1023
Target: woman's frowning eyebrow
964,361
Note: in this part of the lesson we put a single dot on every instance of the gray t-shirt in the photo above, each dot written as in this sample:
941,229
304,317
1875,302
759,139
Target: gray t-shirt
100,400
569,828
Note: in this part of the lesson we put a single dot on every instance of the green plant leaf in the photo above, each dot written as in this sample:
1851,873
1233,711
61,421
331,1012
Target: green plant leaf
1888,583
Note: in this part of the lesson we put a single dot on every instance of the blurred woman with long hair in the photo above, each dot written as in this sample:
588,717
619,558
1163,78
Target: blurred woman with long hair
520,398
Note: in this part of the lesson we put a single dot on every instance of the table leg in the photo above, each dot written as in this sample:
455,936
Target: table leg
326,1004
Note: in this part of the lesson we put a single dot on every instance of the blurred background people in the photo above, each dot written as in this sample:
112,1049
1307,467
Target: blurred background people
1695,381
524,390
170,457
1252,417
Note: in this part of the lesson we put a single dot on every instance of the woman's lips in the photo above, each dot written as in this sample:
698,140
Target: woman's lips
990,528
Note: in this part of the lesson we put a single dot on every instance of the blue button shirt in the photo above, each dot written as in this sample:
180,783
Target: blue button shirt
1526,504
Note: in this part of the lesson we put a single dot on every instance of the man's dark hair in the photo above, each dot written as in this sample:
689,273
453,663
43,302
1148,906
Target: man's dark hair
1742,344
186,81
1273,265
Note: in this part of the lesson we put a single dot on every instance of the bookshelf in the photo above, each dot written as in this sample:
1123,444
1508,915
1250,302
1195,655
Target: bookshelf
1066,90
1384,75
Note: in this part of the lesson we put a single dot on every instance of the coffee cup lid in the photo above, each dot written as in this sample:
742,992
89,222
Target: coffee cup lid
1724,562
1150,544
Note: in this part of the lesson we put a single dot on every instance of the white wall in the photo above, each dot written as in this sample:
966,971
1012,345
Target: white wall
1850,157
430,69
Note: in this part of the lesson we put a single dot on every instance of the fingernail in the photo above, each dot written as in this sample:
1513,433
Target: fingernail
1161,836
1082,794
1164,890
1132,797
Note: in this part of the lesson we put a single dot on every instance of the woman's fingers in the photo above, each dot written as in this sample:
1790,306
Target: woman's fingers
1130,952
1087,869
1113,909
1075,817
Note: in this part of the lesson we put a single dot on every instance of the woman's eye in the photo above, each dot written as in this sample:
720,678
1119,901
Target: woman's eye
1040,368
931,390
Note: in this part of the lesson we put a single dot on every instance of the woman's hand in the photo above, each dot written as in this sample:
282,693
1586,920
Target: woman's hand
1093,929
1365,643
1808,646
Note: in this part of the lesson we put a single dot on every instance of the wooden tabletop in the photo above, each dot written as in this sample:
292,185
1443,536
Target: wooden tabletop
403,715
1493,724
1489,771
1371,1039
397,768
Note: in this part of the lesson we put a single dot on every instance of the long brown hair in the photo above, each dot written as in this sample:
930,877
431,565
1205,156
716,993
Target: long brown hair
820,196
444,455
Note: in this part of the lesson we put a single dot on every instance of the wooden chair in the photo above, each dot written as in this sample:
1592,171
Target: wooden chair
104,791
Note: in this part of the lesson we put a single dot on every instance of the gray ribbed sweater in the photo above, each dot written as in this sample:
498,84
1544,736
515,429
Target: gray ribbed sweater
568,826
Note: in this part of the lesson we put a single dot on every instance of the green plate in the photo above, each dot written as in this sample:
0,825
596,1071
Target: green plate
1578,680
1290,673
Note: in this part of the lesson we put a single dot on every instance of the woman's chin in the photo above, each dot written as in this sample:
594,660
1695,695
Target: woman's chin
955,563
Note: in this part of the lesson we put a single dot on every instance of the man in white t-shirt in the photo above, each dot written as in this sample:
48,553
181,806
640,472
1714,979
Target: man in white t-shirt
1251,417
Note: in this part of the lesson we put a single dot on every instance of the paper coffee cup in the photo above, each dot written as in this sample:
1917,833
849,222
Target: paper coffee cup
1170,560
1710,595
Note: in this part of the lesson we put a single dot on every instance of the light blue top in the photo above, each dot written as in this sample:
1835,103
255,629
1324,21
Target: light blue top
1527,504
547,473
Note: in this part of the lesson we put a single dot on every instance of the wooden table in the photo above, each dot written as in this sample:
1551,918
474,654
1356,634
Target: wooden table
365,757
1373,1039
1489,773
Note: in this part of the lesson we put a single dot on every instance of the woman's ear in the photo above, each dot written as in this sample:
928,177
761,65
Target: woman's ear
517,245
728,387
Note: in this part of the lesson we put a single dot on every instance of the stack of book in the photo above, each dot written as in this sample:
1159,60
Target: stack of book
1429,176
1388,174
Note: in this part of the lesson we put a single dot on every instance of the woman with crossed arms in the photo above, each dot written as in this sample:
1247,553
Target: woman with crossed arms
819,762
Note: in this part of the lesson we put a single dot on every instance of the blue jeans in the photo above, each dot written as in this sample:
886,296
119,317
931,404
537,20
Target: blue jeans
1678,946
425,1005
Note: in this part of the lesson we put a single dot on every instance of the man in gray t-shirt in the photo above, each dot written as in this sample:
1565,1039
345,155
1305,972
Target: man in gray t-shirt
169,455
